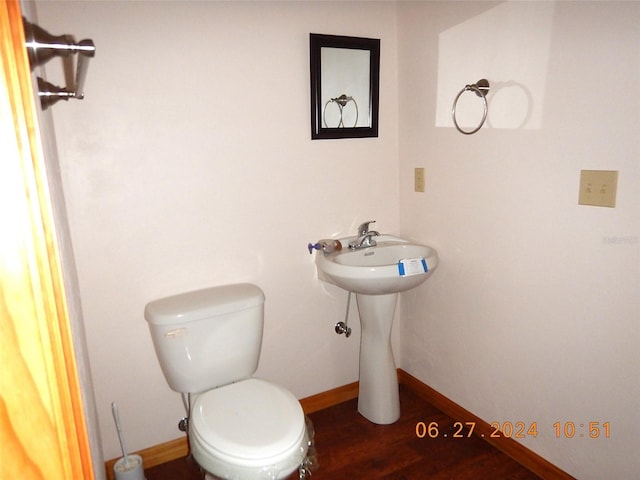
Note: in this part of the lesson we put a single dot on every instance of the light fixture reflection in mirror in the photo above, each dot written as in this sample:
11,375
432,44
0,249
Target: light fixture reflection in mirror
345,79
339,116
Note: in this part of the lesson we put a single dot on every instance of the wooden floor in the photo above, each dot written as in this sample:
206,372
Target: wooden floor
350,447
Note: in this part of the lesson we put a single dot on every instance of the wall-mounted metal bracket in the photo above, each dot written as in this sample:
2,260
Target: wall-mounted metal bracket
42,47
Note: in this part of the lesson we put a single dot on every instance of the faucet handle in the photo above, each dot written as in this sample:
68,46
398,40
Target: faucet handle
363,229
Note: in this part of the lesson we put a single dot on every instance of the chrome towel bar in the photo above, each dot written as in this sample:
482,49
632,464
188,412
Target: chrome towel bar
42,47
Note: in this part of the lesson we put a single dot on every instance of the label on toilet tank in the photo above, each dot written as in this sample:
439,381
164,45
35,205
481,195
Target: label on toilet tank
412,266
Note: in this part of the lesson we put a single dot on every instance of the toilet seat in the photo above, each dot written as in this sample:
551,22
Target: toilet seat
251,424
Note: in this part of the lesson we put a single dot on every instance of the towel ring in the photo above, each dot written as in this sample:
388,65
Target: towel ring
341,101
481,88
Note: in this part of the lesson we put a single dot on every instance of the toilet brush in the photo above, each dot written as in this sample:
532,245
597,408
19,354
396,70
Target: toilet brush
129,467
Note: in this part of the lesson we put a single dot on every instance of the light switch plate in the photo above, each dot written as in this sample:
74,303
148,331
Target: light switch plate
598,188
418,178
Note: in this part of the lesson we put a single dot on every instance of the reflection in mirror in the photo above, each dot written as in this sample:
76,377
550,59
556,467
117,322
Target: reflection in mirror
344,83
345,75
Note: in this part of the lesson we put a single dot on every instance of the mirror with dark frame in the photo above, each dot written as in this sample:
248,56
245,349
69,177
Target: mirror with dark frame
345,86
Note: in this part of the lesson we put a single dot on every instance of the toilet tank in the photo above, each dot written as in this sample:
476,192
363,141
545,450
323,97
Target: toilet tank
207,338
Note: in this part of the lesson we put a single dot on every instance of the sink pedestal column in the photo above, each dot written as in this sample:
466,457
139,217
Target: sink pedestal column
378,398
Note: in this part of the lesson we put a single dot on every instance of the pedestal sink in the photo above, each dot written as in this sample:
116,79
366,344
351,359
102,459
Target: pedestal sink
376,275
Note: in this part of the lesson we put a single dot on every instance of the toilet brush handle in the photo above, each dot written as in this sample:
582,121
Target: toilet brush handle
116,419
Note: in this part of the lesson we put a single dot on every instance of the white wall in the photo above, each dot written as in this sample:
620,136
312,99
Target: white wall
190,164
534,312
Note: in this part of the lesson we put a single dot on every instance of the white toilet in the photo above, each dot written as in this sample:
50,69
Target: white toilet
208,344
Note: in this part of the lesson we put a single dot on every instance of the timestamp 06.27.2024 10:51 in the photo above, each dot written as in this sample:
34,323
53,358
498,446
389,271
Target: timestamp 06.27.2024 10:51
567,429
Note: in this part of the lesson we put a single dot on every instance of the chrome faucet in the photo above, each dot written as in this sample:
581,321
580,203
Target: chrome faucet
365,237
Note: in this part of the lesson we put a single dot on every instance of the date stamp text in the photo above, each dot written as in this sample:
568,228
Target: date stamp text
568,429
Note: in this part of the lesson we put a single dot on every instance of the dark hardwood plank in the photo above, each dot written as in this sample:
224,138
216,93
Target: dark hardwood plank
351,447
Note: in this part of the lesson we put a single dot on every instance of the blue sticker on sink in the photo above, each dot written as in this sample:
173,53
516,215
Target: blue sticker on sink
412,266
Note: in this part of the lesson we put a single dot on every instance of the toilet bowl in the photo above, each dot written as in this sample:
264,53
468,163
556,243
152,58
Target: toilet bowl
250,430
208,345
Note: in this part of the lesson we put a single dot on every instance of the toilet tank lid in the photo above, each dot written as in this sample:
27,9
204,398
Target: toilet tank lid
199,304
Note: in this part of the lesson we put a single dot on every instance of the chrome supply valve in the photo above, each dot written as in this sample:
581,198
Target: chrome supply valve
183,424
341,328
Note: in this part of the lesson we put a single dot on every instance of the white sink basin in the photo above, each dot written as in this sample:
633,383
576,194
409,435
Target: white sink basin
376,270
